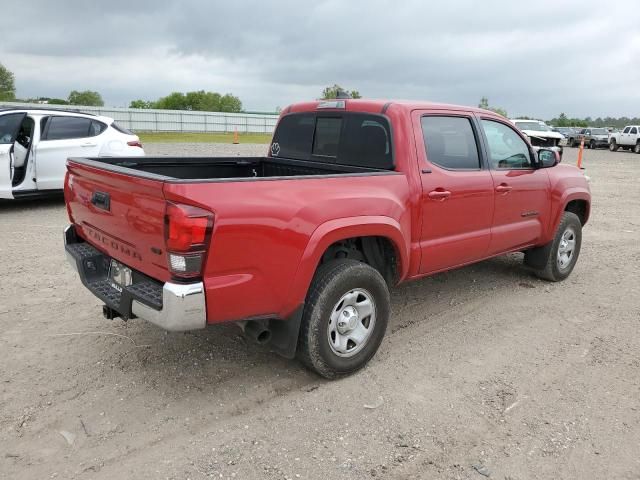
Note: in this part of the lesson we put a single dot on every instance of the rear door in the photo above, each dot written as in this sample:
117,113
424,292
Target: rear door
9,127
62,137
457,190
522,192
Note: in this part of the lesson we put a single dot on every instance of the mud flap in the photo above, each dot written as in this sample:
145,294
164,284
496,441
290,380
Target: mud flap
284,334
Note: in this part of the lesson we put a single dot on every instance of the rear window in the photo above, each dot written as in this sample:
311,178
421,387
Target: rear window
353,139
96,128
120,129
327,137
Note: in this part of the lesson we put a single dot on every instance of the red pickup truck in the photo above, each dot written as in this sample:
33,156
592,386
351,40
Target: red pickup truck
300,247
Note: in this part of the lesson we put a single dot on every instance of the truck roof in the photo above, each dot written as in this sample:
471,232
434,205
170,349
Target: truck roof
376,106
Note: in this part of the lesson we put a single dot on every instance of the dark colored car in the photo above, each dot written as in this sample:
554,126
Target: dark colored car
593,138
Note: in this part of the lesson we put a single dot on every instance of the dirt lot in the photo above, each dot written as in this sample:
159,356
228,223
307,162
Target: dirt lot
485,371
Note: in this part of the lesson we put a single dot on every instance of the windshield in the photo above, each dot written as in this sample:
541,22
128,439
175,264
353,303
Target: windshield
599,131
536,126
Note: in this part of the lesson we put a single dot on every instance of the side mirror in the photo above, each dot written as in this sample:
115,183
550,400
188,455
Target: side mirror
548,158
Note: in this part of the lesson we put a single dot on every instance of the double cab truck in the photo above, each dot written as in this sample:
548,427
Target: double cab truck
629,138
300,247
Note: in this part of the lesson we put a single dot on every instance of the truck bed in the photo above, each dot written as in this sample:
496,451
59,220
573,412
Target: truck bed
221,168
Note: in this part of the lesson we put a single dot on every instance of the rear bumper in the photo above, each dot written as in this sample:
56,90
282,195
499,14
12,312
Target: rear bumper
171,306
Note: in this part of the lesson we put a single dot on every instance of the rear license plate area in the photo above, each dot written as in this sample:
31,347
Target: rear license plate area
120,276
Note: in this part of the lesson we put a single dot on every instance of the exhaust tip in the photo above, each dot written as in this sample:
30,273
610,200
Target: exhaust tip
256,330
264,337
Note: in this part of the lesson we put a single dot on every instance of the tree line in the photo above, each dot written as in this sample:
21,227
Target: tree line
197,101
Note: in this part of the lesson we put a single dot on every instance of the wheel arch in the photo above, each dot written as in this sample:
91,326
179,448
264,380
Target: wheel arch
331,233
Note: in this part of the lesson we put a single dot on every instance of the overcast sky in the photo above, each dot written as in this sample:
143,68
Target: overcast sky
535,58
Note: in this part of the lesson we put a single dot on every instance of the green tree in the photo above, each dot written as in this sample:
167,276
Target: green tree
229,103
57,101
562,121
86,97
173,101
200,101
141,104
484,104
332,92
7,84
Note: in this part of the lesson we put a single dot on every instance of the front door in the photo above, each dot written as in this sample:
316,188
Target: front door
522,192
62,137
9,127
624,136
457,190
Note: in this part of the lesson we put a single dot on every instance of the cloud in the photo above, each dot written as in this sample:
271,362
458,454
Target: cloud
537,58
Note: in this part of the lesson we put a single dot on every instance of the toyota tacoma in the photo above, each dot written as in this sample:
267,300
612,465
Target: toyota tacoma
301,246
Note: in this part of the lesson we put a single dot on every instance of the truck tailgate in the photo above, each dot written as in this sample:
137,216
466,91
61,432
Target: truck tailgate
122,215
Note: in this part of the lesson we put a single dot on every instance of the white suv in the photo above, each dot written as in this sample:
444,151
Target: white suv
35,145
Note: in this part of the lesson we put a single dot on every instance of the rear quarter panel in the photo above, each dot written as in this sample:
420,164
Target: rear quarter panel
263,228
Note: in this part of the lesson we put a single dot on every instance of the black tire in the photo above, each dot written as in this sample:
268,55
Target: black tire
592,145
613,146
331,282
636,149
544,260
572,143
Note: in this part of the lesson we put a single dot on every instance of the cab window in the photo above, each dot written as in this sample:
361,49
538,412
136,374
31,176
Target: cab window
450,142
65,128
507,150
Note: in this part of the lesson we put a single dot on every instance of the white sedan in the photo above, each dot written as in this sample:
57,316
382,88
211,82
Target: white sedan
35,145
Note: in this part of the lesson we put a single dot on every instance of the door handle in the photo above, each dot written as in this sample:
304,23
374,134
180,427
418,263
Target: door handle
89,144
503,188
101,200
439,195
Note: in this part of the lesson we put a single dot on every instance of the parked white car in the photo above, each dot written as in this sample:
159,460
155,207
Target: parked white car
35,145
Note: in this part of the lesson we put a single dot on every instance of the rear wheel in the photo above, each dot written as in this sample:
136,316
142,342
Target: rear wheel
613,146
636,149
592,145
555,261
572,142
345,318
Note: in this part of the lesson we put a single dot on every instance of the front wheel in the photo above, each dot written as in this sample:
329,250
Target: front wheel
592,145
345,318
613,146
555,261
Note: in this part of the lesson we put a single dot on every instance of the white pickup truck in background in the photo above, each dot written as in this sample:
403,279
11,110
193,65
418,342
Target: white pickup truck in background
628,138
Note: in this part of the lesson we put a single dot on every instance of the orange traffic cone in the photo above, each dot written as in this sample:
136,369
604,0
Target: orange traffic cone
236,140
579,164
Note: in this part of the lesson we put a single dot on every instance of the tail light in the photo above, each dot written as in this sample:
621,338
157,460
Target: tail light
187,237
135,143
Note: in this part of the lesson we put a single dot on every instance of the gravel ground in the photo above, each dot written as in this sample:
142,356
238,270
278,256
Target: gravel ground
485,371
